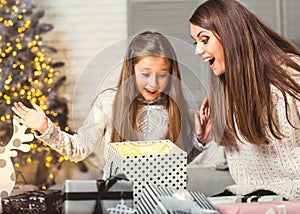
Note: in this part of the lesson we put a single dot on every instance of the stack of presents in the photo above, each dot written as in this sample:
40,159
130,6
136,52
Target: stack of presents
146,177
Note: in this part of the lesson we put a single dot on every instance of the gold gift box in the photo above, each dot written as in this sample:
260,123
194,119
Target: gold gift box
143,148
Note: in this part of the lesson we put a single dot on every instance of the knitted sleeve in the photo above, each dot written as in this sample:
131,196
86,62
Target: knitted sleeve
79,145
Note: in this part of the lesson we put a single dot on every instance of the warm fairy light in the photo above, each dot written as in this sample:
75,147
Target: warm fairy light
33,100
32,146
27,24
37,71
15,9
6,87
19,46
51,176
61,159
49,158
50,81
8,80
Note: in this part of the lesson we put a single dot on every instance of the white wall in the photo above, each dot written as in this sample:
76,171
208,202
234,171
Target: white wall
82,29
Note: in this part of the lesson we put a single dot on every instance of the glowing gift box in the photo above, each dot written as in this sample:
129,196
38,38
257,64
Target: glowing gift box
147,162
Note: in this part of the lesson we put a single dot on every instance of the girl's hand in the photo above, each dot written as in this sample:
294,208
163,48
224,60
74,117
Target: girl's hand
203,122
34,118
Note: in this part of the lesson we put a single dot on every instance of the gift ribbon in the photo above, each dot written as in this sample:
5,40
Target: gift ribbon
95,195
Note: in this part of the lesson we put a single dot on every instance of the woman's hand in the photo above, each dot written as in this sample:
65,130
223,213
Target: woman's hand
32,118
203,122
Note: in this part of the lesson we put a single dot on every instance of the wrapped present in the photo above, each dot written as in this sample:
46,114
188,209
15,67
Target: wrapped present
97,196
158,199
279,207
34,202
243,199
147,162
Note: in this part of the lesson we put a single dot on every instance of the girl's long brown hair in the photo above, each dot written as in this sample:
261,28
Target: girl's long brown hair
255,57
125,105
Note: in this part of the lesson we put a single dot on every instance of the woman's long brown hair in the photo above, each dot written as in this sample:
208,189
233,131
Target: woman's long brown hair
256,57
125,105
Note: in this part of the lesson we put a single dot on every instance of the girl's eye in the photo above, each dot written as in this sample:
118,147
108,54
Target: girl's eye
195,43
162,75
145,74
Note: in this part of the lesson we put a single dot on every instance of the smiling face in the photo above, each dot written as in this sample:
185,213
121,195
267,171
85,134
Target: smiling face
209,47
152,76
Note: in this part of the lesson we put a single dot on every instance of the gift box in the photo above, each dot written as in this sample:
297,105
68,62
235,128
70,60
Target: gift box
278,207
34,202
147,162
158,199
96,196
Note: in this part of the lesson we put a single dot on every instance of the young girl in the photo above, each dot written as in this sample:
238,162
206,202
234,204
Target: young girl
147,104
259,75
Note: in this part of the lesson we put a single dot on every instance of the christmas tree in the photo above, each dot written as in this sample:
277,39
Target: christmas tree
29,75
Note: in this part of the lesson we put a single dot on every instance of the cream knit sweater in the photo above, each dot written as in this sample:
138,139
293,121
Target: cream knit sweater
276,166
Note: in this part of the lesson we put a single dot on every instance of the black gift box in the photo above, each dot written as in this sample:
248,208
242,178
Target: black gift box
34,202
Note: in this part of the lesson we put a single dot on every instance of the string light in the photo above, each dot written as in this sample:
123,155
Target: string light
39,75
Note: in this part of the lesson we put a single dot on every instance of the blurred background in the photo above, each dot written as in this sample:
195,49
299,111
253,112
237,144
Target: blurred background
85,42
82,29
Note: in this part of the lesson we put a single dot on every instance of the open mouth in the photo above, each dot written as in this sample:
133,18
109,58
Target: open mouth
211,61
150,91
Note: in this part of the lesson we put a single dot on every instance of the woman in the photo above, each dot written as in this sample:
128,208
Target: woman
147,104
254,97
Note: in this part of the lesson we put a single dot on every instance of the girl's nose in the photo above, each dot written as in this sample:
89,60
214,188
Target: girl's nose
199,48
153,80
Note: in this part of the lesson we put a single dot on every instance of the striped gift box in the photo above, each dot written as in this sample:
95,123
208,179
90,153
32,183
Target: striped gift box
152,201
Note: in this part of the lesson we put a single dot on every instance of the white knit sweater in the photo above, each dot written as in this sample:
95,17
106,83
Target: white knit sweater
276,166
